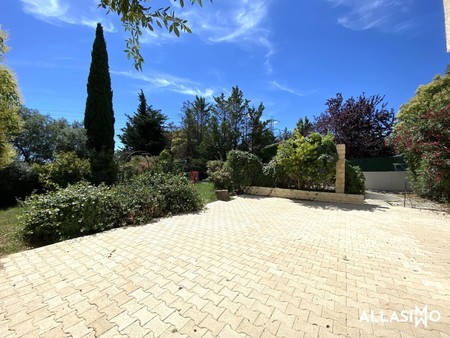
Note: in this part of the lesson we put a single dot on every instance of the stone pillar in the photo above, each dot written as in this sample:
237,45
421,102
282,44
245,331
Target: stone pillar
447,22
340,169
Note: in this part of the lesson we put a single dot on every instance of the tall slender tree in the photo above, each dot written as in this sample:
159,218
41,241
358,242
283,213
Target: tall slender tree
99,113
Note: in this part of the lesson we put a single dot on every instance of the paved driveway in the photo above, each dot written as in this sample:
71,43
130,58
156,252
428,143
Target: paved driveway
261,267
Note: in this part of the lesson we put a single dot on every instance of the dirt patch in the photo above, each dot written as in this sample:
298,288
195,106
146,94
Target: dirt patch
408,200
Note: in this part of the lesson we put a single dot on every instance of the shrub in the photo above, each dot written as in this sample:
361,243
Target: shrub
431,178
177,194
137,165
307,162
153,195
165,164
67,168
354,179
66,213
83,209
272,176
245,169
18,180
424,143
104,168
422,136
219,174
140,200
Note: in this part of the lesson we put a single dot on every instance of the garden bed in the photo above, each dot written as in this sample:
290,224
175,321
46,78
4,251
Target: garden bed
306,195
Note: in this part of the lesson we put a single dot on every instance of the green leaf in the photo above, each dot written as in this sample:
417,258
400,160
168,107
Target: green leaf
177,32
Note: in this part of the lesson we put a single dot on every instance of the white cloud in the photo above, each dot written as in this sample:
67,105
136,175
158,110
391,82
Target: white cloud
290,90
244,22
60,11
89,22
169,82
208,92
241,23
386,15
47,9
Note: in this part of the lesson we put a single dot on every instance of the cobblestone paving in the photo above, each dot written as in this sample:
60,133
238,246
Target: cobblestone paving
257,267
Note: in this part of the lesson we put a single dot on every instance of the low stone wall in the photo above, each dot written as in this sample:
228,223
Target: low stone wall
306,195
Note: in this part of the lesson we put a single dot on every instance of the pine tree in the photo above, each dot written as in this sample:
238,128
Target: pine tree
304,127
99,114
144,131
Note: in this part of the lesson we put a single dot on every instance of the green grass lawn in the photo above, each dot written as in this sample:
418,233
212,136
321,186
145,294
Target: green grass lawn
206,190
10,231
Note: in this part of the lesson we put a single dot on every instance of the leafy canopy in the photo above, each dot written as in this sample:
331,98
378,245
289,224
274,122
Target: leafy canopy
10,101
306,162
422,136
209,131
67,168
435,94
42,137
138,15
362,124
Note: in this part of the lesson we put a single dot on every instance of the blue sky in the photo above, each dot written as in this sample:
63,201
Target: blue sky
290,55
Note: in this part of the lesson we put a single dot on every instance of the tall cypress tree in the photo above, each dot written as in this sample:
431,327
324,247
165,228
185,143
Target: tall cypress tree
99,114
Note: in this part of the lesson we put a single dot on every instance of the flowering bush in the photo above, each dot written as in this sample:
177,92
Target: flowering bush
425,144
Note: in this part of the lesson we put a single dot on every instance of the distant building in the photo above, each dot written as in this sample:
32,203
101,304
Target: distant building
447,22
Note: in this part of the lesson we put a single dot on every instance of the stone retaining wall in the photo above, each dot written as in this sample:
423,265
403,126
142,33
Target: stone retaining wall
306,195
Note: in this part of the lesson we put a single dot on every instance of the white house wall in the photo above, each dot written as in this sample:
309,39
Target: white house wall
386,180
